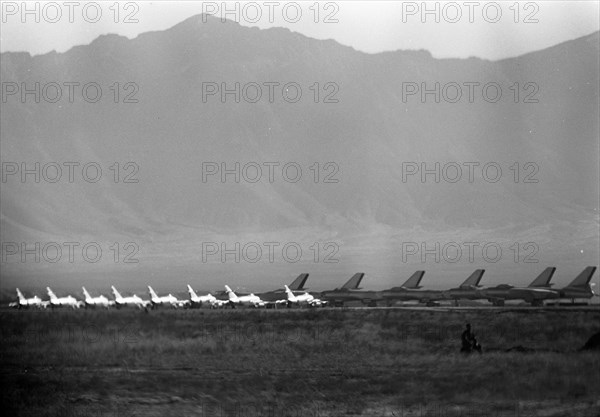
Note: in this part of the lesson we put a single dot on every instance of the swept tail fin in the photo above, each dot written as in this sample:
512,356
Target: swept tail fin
50,293
584,278
192,292
290,294
298,283
414,280
473,279
354,282
20,295
116,293
543,279
230,293
85,293
152,293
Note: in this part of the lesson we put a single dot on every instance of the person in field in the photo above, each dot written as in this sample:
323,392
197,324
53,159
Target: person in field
468,341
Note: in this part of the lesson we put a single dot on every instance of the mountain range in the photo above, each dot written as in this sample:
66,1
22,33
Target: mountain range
364,124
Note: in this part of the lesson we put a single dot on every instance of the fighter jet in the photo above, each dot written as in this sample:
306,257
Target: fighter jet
23,302
279,297
199,301
354,282
351,292
303,299
411,291
166,300
68,301
250,300
274,298
298,283
132,301
535,294
100,301
580,287
468,290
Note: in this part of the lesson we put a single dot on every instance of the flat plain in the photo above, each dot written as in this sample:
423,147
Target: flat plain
299,362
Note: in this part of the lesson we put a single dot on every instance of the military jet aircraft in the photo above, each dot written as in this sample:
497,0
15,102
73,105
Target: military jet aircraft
166,300
100,301
535,294
23,302
351,292
354,282
250,300
303,299
131,301
202,300
68,301
468,290
272,298
580,287
411,291
298,283
279,297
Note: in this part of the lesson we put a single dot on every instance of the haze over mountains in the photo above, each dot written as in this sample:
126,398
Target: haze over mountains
368,133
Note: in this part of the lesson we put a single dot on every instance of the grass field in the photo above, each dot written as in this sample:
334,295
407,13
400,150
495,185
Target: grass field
327,362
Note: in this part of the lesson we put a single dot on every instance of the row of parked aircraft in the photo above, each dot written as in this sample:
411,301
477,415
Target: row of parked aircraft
536,293
288,296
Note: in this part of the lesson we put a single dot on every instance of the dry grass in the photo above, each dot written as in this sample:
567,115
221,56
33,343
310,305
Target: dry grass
309,362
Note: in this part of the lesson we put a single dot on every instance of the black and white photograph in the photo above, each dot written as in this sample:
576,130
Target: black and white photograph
300,208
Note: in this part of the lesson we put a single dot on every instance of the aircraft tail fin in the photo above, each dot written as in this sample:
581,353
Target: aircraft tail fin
473,279
414,280
289,293
298,283
85,293
50,293
192,292
543,279
354,282
152,293
20,295
230,293
115,292
584,278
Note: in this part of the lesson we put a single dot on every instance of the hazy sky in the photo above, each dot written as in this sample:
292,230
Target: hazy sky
491,30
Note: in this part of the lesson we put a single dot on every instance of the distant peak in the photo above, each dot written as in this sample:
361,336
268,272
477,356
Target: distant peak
108,38
204,19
